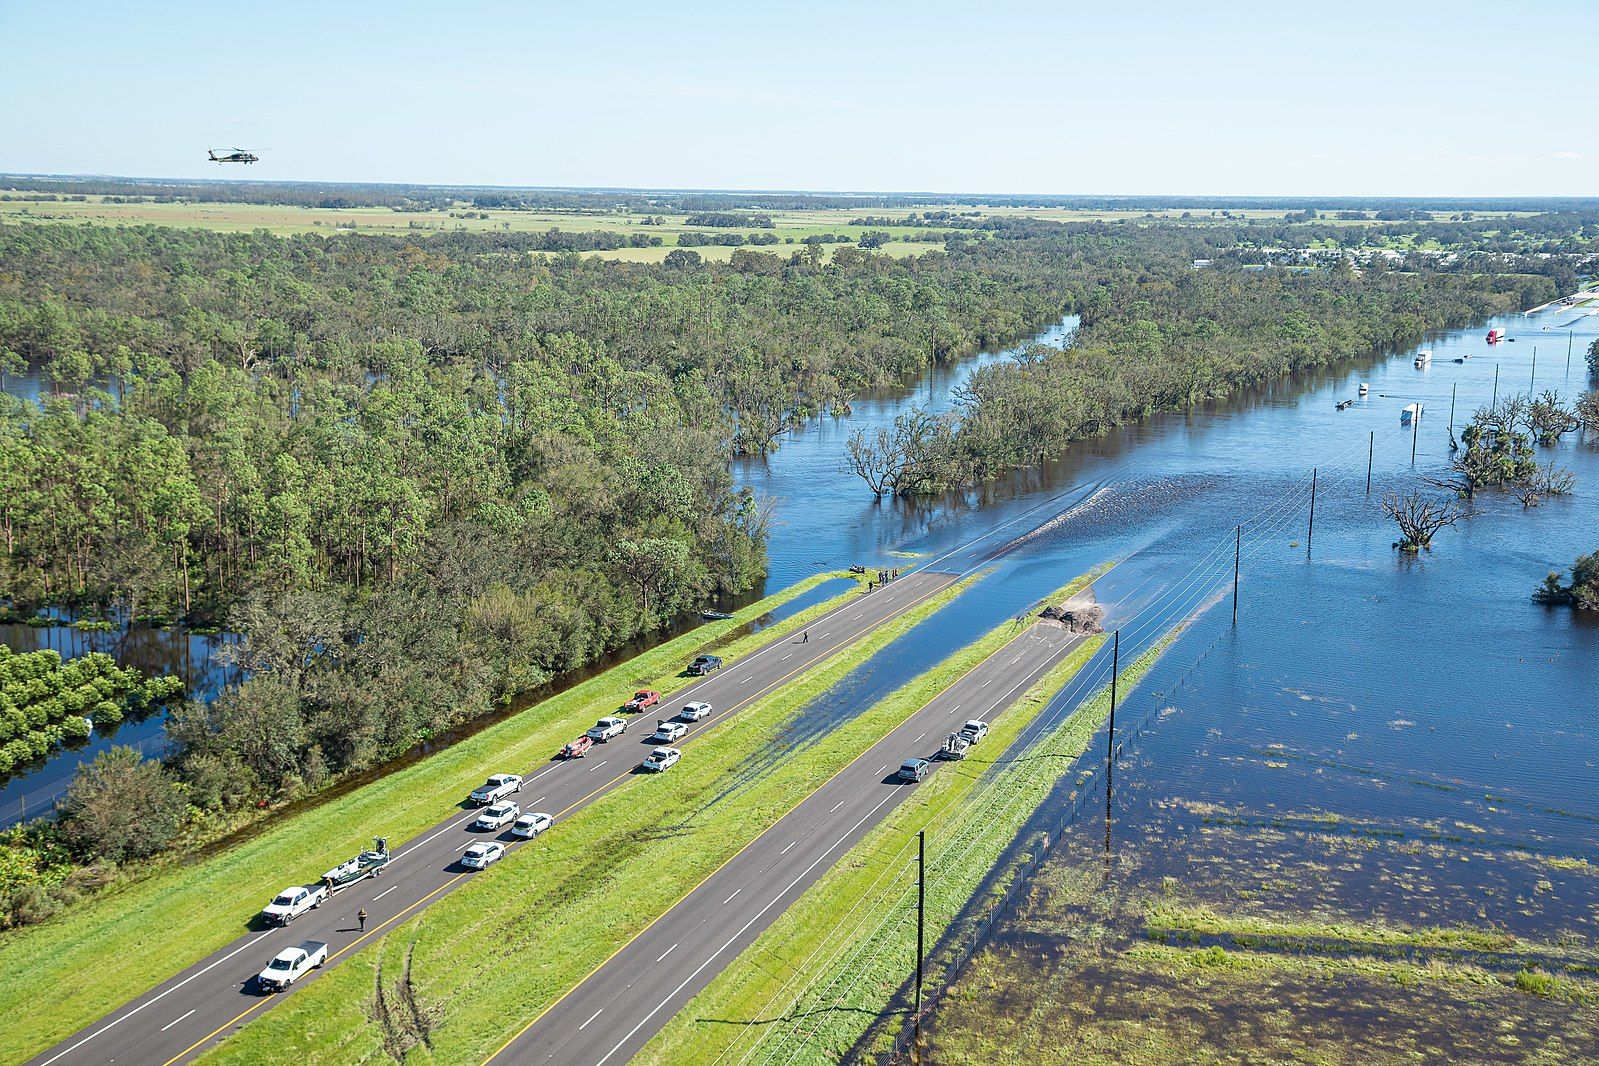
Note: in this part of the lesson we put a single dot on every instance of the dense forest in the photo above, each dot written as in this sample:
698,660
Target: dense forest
1168,342
423,474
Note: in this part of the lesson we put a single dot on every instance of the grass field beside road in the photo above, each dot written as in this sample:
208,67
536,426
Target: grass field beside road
523,933
824,972
131,936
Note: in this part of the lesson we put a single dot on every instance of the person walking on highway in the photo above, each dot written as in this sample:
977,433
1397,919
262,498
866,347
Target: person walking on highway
806,638
360,916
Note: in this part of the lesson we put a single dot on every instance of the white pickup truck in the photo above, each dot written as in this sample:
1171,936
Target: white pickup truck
496,788
294,901
291,964
606,728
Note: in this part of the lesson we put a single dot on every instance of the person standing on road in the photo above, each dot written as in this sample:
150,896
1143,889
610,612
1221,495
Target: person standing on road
806,638
360,916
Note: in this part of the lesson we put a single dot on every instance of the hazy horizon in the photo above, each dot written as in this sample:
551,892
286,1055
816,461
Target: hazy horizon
1420,100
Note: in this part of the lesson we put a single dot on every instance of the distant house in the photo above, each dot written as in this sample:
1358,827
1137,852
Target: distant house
1201,263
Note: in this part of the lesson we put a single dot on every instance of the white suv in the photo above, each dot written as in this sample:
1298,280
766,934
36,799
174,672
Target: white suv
497,817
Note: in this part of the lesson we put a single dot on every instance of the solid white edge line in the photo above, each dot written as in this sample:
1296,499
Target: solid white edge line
163,995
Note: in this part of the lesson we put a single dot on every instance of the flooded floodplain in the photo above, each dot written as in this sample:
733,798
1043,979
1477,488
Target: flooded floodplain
1362,825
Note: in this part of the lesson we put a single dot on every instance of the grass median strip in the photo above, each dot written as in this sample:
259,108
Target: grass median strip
814,983
136,934
528,930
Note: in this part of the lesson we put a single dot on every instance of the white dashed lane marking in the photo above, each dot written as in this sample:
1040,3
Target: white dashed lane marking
176,1020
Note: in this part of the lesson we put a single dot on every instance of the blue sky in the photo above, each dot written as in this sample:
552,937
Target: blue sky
1407,97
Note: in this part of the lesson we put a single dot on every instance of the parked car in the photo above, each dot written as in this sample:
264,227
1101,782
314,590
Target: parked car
705,664
496,788
695,712
531,825
661,759
670,731
915,770
974,730
642,700
294,901
479,856
291,964
498,816
578,748
606,728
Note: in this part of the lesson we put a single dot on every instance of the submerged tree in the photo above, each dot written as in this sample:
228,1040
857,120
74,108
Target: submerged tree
1420,519
1498,450
1583,591
1546,480
877,458
1587,413
1550,419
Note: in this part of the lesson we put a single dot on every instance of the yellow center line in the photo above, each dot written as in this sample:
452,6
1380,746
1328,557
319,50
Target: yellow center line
267,999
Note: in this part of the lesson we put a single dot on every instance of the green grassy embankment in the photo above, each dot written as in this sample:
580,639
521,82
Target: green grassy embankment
826,970
135,934
526,931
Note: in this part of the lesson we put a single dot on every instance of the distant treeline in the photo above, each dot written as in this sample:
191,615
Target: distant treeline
345,195
728,220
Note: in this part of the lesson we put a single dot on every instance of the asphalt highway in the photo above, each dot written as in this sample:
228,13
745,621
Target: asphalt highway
182,1015
612,1014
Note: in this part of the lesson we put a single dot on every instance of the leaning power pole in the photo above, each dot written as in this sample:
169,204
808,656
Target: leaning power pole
921,911
1310,533
1238,549
1110,735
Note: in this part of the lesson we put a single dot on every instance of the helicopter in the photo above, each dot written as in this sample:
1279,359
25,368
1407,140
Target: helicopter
234,155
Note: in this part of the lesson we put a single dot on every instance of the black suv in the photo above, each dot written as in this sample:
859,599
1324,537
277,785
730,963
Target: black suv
704,665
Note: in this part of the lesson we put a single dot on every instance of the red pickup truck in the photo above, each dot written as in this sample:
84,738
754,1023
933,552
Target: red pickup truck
642,700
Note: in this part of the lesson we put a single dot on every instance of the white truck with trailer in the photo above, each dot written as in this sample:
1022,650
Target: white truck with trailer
294,901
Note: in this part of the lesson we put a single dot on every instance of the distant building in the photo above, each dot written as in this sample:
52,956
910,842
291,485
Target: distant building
1201,263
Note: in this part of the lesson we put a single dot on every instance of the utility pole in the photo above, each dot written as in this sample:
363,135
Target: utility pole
1311,532
921,910
1110,734
1453,391
1533,384
1570,333
1415,430
1371,453
1238,547
1495,401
